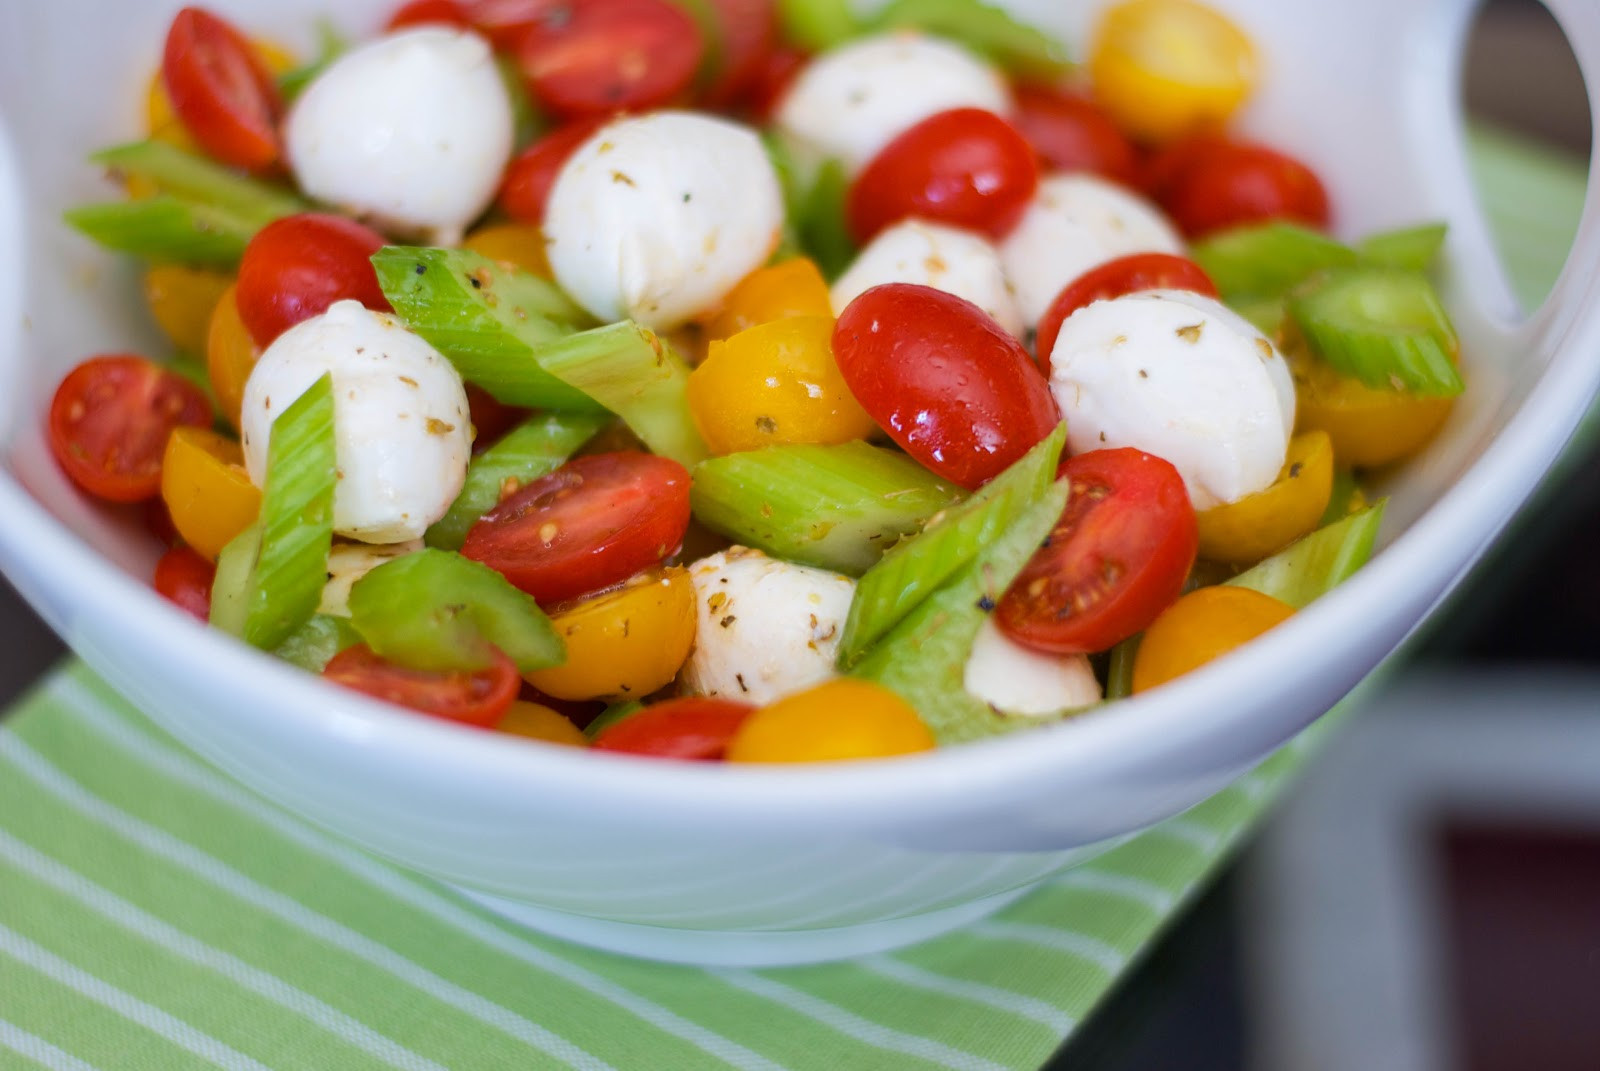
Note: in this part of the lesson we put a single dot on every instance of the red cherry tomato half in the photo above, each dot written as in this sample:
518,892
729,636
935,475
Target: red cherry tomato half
1225,184
158,522
477,698
530,176
295,267
692,728
184,578
1118,556
772,79
1125,275
1072,133
943,379
504,22
1162,169
491,418
966,167
428,13
592,523
609,56
749,32
110,419
222,90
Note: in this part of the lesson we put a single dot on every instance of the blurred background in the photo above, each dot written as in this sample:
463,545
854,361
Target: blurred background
1428,897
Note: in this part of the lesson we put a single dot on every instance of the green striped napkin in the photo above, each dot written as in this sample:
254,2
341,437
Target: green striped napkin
156,915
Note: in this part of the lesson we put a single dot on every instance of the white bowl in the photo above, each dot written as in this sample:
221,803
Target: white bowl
739,865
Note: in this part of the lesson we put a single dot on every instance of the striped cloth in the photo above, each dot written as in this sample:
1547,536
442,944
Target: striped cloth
156,915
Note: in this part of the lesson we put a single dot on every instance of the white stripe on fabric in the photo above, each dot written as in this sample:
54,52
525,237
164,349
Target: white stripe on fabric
291,911
852,1025
1077,944
130,1007
262,983
35,1048
90,710
1006,1000
1122,886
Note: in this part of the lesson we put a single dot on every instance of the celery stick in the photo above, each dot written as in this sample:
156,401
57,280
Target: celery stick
1411,248
166,229
230,589
438,611
924,657
1266,260
913,570
1265,314
1383,326
529,451
1345,499
821,223
818,25
835,507
611,715
331,44
984,28
313,645
1119,673
1317,564
197,179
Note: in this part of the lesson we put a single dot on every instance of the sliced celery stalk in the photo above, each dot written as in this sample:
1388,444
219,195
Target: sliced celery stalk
1266,260
437,611
818,25
1410,249
1346,498
331,44
610,716
1119,671
913,570
1308,569
313,645
166,229
821,223
197,179
986,29
924,657
1382,326
835,507
230,588
527,452
1265,314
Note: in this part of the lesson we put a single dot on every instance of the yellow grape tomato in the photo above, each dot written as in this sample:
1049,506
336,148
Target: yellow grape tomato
1258,525
624,643
839,719
535,721
1203,625
206,490
790,288
181,300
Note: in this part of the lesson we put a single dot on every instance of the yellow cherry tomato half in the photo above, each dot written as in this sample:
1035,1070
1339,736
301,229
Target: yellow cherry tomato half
535,721
230,355
624,643
1244,532
1166,68
206,490
775,383
1203,625
839,719
1368,427
791,288
181,300
517,244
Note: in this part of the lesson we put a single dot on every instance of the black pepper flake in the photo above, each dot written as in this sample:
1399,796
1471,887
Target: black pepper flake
422,269
740,678
1143,374
688,197
986,604
1294,470
477,284
726,621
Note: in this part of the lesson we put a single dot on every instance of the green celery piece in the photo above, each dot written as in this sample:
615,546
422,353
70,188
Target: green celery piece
526,122
230,589
794,196
331,44
1308,569
435,610
196,179
611,715
916,568
1410,248
166,229
1265,314
821,222
313,645
1024,52
1267,260
1345,499
923,658
1119,673
1384,326
531,450
834,507
818,25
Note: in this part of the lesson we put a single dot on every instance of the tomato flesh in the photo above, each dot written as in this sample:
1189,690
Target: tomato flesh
525,190
1210,185
749,32
589,525
110,419
476,698
427,13
691,728
1118,556
944,380
184,579
772,78
504,22
1113,279
221,90
295,267
600,57
1073,133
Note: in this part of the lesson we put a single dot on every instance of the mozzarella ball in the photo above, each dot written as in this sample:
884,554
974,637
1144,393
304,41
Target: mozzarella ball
764,628
400,419
1177,375
656,218
849,103
1016,680
411,131
955,261
1077,222
349,562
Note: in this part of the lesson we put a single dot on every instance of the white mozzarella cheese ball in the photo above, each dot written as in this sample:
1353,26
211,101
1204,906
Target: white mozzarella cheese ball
847,104
1178,375
411,131
656,218
1077,222
764,628
349,562
1015,680
955,261
400,418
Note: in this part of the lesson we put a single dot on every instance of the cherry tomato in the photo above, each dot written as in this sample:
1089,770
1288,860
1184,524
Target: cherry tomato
184,579
535,721
691,728
1213,184
529,178
1369,427
158,522
504,22
966,167
592,523
772,79
222,90
231,355
519,245
789,288
207,492
1118,556
427,13
836,720
607,56
110,419
1261,524
1113,279
181,300
624,643
1203,625
476,698
295,267
1073,133
491,418
944,380
749,32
